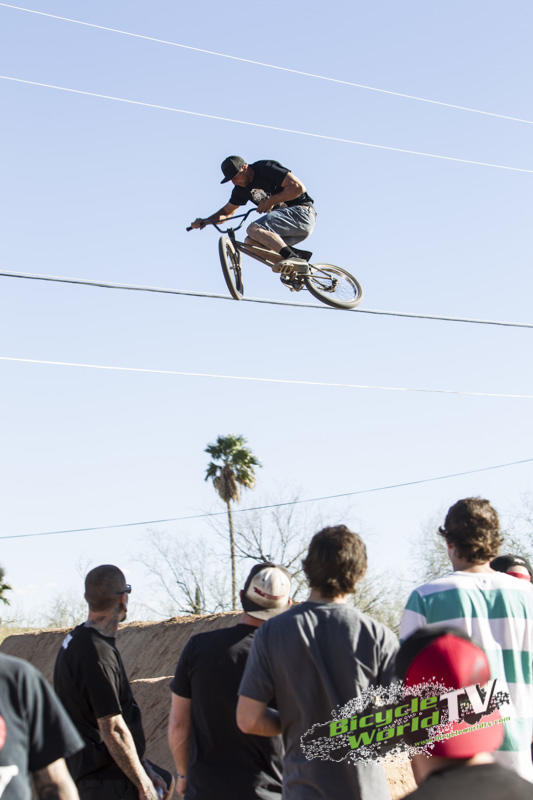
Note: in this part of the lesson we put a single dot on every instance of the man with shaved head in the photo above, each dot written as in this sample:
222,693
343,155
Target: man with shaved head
90,679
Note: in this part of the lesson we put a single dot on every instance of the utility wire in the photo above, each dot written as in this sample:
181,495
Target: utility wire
264,126
212,296
274,505
254,379
269,66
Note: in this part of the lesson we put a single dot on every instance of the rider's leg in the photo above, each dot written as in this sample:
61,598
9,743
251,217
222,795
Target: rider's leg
264,237
272,241
268,255
281,228
273,257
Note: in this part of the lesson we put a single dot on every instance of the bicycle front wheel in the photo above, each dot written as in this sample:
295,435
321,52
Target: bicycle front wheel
230,260
333,286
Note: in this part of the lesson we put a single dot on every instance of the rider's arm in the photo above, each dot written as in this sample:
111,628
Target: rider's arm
224,213
292,187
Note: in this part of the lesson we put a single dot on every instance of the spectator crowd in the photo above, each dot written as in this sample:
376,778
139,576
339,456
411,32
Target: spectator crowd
242,697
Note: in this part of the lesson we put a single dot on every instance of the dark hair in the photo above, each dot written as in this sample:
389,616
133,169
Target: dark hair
102,587
504,563
335,561
472,526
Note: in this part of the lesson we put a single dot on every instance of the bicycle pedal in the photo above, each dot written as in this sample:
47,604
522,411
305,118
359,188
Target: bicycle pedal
293,266
293,282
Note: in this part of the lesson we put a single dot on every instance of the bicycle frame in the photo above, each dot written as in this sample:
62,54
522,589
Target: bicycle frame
332,285
262,254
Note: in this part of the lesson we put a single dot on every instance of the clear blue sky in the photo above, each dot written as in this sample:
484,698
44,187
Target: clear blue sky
102,190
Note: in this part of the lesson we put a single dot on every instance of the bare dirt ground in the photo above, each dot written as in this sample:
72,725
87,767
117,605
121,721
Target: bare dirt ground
150,651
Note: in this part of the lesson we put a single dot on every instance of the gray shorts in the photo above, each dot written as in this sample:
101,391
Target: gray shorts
293,224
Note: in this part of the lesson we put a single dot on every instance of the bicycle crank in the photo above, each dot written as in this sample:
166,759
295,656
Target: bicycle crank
294,282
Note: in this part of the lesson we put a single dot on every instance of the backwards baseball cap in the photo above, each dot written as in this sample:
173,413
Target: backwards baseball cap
267,591
512,565
231,166
449,656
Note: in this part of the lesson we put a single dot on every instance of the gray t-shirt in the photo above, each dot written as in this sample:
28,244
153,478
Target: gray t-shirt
311,659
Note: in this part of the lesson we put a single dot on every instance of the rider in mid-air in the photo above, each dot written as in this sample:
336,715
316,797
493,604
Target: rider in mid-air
288,212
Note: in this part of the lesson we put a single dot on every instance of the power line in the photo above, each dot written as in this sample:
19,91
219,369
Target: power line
264,126
214,296
273,505
255,379
266,65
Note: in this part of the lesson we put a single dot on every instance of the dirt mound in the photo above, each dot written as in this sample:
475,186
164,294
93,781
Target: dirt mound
150,651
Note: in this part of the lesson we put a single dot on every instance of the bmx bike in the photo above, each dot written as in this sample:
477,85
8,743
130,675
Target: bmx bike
331,285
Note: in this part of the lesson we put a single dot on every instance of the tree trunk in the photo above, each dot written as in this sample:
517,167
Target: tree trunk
232,556
197,600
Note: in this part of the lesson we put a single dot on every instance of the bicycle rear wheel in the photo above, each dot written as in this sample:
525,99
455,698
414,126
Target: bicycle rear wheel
230,260
333,286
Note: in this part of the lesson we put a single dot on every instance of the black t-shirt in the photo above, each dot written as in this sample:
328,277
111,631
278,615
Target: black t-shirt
487,781
267,180
91,681
223,762
34,728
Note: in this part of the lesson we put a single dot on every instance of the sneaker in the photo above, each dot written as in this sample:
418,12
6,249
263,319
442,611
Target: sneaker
292,265
305,254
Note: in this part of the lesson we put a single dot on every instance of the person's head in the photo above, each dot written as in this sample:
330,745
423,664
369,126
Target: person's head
335,561
236,170
517,566
267,591
449,656
106,590
472,530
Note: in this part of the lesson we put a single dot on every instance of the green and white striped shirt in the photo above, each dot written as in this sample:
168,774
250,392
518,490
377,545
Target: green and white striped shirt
496,610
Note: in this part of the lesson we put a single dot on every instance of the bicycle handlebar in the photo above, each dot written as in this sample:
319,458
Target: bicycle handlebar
236,216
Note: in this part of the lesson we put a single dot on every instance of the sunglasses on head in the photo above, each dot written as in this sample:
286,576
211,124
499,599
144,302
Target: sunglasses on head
126,589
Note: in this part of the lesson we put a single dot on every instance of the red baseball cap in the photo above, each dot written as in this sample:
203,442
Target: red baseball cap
449,656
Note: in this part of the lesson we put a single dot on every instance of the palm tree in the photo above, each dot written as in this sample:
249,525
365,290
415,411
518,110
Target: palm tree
231,468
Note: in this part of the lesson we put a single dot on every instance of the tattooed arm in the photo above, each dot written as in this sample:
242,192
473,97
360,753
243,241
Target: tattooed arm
119,741
54,782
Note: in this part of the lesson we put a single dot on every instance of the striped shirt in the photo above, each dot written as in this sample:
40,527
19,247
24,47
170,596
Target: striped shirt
496,610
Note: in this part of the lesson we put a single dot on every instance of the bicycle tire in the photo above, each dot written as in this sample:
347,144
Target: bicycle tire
231,267
334,286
